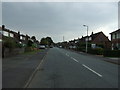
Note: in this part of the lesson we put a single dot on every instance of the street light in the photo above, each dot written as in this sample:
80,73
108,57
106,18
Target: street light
86,38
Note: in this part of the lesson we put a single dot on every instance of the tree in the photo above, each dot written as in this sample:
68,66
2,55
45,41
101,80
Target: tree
43,41
49,41
46,41
29,43
33,38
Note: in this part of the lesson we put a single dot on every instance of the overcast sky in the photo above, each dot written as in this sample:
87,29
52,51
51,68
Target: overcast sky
60,19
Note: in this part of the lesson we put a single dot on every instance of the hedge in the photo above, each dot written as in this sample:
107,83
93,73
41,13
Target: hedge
9,42
97,51
111,53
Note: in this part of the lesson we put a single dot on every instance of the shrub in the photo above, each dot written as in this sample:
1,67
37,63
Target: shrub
111,53
9,42
97,51
81,49
29,44
28,49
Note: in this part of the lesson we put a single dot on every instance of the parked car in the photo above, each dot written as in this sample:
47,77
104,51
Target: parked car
51,46
42,47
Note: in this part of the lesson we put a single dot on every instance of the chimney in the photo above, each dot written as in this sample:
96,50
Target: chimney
92,33
18,33
3,27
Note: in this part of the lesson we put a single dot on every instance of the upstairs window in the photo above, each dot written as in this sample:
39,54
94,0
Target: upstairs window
11,35
5,33
113,36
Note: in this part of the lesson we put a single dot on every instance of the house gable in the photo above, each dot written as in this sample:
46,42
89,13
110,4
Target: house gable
100,38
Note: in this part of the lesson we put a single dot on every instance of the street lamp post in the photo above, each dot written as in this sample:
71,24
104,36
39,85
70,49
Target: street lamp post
86,38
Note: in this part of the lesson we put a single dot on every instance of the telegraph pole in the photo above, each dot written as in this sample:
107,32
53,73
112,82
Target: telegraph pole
63,39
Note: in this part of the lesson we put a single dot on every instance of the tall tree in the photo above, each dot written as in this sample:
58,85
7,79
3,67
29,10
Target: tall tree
46,41
33,38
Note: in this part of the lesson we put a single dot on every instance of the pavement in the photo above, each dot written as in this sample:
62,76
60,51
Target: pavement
17,70
66,69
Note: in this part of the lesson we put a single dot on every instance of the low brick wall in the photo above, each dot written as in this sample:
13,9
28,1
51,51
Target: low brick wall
7,52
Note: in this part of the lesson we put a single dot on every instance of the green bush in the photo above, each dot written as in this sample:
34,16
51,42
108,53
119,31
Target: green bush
81,49
97,51
19,45
28,49
9,42
111,53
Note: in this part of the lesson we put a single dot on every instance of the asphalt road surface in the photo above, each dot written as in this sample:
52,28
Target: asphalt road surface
17,70
65,69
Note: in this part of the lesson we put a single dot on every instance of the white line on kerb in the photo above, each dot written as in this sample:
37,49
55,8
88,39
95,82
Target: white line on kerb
92,70
74,59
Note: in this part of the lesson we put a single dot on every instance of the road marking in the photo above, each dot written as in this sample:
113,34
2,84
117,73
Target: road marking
92,70
34,72
67,55
74,59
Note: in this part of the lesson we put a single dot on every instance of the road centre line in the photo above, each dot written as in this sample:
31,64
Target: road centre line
92,70
74,59
67,55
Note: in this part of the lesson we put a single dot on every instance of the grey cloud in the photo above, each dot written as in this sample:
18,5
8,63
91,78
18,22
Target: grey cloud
58,19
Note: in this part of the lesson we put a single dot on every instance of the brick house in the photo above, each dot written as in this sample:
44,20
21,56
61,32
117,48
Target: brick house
11,34
97,39
0,34
24,39
73,43
115,39
0,40
19,38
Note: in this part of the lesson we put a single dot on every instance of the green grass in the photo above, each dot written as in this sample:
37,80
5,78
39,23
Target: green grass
32,52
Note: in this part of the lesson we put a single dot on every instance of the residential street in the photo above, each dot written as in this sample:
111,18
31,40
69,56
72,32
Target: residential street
65,69
61,44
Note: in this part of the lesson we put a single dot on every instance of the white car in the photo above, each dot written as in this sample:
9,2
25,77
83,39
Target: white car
42,47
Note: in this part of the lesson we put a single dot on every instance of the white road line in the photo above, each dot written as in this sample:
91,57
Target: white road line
67,55
92,70
74,59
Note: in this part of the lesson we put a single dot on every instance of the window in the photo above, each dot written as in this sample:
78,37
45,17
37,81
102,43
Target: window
118,35
11,35
0,40
113,36
119,46
90,38
0,31
5,33
93,45
86,39
20,37
23,38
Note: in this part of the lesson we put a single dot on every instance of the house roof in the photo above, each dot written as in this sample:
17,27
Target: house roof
92,35
115,31
95,35
22,35
27,36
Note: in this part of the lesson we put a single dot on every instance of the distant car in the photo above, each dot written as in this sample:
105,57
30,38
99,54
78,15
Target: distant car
60,46
51,46
42,47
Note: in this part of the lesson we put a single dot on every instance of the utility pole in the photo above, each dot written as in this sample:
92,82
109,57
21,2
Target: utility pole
86,39
63,39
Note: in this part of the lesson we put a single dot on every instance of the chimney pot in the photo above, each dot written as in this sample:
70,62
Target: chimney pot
3,26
